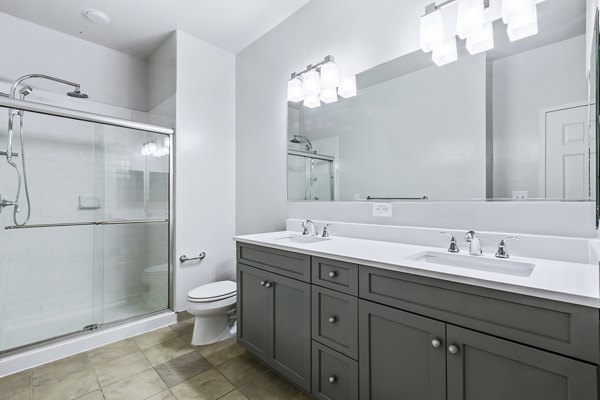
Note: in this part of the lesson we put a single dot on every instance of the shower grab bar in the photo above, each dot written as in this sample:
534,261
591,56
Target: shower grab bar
47,109
397,198
66,224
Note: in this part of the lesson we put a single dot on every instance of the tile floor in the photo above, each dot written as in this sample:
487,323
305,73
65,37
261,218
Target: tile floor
159,365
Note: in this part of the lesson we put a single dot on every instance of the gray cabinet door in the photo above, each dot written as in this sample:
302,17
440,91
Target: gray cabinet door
485,367
289,325
253,302
398,359
335,376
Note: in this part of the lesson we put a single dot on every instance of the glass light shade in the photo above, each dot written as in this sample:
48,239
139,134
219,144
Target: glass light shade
330,75
329,95
312,83
152,147
145,150
295,91
312,100
518,12
167,142
347,87
524,27
485,42
470,18
432,31
446,53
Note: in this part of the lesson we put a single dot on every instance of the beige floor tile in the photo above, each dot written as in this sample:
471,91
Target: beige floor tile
19,396
235,395
242,369
15,384
154,337
183,328
59,369
166,351
164,395
95,395
68,387
210,385
112,351
136,387
181,368
268,387
121,368
221,352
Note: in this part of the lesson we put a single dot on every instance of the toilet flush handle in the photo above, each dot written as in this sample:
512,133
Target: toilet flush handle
184,258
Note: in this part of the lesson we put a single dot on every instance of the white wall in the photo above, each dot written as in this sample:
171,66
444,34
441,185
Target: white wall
162,73
107,76
360,36
523,86
205,163
358,33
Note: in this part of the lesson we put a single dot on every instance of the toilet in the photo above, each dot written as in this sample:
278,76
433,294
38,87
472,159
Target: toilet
212,305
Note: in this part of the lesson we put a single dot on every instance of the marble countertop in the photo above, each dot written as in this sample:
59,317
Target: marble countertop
555,280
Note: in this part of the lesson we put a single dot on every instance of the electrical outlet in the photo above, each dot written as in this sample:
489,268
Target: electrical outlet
520,194
382,209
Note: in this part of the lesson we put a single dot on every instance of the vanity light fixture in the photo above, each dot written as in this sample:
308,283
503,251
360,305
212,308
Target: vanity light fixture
320,83
149,148
472,20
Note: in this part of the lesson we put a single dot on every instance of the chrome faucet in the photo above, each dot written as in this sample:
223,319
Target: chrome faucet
5,203
453,245
474,244
502,252
325,233
310,228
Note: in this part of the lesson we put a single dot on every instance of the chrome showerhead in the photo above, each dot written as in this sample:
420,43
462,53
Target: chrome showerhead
25,91
77,94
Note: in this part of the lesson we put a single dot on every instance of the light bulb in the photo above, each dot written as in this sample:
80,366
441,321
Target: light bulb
312,83
329,95
330,75
446,53
432,31
470,18
347,87
484,42
524,27
312,100
295,91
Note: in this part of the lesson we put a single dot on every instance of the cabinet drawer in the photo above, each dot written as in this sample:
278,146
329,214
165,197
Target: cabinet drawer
286,263
559,327
336,275
334,376
335,320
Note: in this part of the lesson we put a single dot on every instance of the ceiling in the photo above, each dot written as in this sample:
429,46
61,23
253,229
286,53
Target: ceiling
138,27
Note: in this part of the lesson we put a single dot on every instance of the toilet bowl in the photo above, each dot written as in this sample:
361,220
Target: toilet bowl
212,306
156,278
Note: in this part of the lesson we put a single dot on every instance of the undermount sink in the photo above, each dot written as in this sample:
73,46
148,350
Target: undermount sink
302,238
506,267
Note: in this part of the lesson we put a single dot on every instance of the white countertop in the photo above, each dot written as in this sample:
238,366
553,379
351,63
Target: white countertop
556,280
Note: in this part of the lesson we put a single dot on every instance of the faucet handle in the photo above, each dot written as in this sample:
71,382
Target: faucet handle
502,252
326,230
453,244
470,236
305,227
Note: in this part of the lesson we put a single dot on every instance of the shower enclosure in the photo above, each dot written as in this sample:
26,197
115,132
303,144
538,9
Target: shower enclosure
95,250
310,176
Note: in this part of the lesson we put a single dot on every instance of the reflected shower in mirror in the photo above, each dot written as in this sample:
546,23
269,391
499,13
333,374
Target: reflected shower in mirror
512,123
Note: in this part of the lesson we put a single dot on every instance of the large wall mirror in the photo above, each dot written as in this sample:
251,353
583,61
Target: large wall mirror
513,123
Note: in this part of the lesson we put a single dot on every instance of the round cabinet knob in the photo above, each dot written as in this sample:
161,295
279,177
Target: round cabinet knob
332,320
332,379
263,283
436,343
268,284
332,274
452,349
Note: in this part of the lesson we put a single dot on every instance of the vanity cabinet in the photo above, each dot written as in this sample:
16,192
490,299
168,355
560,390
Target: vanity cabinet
343,331
274,322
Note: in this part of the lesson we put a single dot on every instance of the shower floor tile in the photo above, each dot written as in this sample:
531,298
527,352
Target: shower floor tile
159,365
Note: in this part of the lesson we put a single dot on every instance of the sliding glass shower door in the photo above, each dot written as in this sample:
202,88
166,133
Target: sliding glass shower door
96,248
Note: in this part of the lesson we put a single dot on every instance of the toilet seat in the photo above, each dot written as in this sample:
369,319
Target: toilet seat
212,292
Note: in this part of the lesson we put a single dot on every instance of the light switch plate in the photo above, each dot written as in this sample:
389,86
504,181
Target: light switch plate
382,209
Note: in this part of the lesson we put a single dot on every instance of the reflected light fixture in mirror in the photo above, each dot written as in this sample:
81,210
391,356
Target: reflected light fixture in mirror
472,20
320,83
